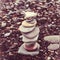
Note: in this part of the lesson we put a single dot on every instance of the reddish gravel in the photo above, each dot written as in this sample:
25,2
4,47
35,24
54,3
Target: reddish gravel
11,16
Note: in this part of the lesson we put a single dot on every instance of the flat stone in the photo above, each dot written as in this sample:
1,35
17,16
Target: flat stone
32,34
28,24
25,52
52,38
26,30
53,47
30,40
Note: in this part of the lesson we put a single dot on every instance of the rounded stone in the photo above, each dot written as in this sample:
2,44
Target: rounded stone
7,34
52,38
32,34
53,47
30,40
26,30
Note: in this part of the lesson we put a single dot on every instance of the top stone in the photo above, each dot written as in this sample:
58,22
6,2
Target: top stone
30,14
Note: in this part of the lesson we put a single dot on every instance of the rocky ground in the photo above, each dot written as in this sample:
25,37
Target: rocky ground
11,16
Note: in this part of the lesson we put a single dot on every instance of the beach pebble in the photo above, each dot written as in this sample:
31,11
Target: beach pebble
7,34
3,24
30,14
53,46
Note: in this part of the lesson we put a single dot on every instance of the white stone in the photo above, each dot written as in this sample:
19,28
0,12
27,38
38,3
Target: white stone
3,24
48,58
30,14
7,34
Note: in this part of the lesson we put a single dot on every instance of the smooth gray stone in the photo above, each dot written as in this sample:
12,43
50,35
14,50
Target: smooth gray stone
26,30
52,38
53,47
30,40
32,34
25,52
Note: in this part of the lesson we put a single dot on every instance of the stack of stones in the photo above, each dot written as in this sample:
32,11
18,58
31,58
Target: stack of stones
30,33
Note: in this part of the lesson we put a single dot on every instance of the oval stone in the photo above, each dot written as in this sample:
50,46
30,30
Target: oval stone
53,47
52,38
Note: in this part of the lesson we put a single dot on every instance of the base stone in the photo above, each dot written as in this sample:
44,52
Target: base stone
25,52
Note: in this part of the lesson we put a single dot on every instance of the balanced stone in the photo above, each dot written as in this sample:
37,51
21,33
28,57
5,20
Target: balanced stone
52,38
22,50
29,24
53,47
29,14
26,30
30,46
32,34
30,40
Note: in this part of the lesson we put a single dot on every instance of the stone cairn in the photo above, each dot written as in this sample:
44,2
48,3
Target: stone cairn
30,33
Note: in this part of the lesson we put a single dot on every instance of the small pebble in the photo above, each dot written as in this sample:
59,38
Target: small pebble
3,24
7,34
